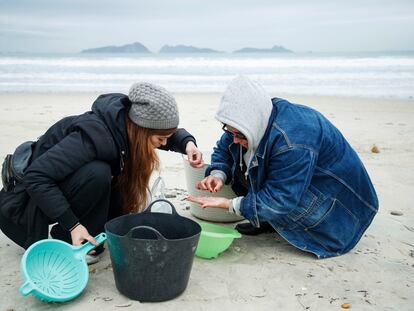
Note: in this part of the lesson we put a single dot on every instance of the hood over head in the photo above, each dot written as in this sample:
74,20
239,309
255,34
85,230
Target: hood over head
247,107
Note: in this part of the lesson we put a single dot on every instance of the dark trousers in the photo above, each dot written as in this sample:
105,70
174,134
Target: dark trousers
88,190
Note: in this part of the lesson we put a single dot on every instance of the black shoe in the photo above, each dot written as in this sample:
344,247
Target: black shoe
99,250
248,229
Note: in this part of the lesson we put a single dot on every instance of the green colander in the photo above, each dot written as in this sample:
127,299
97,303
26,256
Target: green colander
214,239
54,270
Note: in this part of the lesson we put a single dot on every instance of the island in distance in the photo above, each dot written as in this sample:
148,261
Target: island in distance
274,49
135,47
138,47
186,49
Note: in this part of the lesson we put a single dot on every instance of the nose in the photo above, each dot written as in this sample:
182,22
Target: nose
236,140
164,141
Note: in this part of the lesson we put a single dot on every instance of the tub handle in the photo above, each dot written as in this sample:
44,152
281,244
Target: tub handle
149,208
144,228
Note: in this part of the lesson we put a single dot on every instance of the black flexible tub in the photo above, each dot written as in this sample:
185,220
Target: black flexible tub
152,253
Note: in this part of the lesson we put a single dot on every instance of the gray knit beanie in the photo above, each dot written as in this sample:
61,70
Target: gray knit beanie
152,106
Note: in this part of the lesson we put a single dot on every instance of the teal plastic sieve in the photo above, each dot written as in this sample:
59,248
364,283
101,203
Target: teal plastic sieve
55,271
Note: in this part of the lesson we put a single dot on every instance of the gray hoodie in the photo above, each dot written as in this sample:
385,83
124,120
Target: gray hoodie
247,107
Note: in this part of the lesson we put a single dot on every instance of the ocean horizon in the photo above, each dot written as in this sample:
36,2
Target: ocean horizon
354,74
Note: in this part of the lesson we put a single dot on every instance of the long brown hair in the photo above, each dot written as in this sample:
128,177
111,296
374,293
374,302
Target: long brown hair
139,165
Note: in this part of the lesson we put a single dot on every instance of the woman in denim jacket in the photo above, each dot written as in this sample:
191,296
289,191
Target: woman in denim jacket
292,171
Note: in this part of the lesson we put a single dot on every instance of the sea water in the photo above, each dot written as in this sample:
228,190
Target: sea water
383,75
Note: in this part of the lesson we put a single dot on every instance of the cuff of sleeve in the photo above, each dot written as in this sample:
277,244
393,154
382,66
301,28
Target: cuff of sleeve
234,207
185,142
219,174
68,219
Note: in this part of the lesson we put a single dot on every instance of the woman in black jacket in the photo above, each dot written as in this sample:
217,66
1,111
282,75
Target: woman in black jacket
92,167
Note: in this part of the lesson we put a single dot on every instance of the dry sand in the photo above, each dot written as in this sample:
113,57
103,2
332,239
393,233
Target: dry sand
263,272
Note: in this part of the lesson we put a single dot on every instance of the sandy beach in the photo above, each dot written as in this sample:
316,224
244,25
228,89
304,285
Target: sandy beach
262,272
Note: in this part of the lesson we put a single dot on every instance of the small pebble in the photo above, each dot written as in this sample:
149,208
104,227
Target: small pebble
396,213
375,149
345,306
125,305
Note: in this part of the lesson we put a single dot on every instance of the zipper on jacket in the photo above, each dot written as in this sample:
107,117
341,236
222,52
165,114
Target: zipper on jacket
122,162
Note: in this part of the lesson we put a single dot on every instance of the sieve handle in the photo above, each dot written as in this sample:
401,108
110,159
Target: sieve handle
26,288
84,249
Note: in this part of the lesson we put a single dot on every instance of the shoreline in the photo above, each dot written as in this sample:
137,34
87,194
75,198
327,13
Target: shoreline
190,93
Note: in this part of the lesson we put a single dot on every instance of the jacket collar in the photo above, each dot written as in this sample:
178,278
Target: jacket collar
261,150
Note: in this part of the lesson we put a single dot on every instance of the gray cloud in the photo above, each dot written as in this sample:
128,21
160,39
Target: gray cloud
318,25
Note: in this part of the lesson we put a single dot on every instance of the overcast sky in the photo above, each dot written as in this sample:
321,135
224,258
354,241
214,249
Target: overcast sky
300,25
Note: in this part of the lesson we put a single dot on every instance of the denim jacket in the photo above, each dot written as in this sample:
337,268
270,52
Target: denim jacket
304,179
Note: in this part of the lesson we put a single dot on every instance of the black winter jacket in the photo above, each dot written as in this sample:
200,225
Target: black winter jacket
72,142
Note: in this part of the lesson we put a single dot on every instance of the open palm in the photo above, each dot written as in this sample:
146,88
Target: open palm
210,201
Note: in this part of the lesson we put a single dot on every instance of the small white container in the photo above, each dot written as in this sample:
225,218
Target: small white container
193,176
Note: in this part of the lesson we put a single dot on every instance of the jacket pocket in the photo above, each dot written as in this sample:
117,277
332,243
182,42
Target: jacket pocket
310,200
336,229
13,205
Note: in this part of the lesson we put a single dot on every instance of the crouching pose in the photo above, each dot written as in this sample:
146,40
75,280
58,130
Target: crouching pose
293,172
89,168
